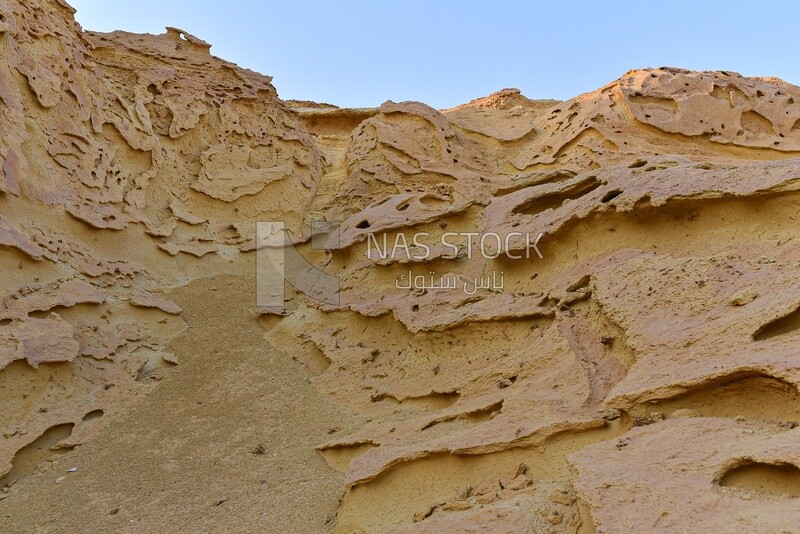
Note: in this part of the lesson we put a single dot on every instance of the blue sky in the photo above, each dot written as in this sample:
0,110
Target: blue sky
445,52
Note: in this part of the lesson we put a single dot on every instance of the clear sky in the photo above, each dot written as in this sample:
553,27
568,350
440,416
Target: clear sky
447,52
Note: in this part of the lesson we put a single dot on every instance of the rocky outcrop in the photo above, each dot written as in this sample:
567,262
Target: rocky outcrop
663,288
543,306
116,148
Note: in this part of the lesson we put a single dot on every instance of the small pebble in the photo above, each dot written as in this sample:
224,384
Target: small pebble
72,470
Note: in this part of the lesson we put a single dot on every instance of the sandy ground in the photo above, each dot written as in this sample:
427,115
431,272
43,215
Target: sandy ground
186,457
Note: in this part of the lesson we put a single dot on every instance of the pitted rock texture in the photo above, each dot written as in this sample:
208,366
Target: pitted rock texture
636,368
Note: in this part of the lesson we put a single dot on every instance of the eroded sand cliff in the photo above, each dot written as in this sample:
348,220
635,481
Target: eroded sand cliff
641,374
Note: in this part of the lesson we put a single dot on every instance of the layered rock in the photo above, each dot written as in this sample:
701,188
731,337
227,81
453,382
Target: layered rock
119,150
650,341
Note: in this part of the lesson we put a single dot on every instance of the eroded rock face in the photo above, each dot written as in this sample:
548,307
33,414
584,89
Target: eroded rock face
693,474
644,331
119,151
665,288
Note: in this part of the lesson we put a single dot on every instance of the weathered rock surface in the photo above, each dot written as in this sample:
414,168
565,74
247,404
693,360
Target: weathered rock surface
620,354
695,474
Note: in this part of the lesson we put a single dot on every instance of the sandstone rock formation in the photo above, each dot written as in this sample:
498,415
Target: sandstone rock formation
640,373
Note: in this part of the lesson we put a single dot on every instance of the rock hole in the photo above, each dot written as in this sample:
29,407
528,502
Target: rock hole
777,327
91,416
363,225
778,479
556,199
757,123
611,195
31,456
